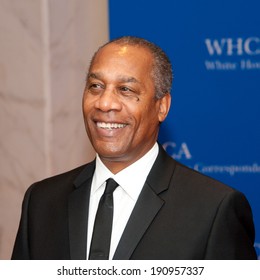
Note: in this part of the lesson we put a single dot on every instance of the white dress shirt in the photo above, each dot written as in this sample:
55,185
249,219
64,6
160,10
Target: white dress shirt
131,181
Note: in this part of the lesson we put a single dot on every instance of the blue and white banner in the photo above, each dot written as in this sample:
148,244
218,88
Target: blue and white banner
214,46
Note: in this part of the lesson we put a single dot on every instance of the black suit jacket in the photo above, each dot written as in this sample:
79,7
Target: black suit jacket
180,214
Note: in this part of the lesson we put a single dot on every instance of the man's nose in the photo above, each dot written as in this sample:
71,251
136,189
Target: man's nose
108,100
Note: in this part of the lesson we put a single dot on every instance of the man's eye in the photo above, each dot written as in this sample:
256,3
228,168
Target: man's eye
95,86
125,89
129,93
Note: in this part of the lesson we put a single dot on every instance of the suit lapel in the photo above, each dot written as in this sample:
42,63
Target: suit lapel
78,213
147,206
144,212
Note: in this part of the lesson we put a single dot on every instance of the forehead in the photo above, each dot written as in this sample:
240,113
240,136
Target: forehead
123,55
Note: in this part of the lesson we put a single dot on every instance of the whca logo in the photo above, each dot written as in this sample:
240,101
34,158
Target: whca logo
177,151
233,46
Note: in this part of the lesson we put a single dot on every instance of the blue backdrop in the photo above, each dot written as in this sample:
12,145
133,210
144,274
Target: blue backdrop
214,46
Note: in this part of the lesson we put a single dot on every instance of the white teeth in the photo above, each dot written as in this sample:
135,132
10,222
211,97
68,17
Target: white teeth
110,126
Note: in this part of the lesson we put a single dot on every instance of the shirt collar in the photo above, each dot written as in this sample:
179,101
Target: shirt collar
132,178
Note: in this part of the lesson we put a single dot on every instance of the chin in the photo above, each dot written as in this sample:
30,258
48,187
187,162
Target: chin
109,151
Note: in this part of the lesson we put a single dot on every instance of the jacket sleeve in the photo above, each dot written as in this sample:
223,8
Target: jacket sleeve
21,249
232,234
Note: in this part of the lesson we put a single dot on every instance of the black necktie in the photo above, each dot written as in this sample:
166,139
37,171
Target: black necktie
100,243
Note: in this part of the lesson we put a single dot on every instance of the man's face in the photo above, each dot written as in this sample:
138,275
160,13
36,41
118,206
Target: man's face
121,113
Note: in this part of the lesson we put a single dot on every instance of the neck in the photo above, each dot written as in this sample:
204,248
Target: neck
117,164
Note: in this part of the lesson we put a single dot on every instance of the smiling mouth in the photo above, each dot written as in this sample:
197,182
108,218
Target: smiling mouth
110,126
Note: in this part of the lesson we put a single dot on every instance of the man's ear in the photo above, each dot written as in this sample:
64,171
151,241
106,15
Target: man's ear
164,107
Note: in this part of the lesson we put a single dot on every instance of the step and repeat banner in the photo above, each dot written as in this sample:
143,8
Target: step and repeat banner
214,47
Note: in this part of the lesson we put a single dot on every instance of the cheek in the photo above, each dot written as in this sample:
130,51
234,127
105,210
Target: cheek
87,105
150,114
147,120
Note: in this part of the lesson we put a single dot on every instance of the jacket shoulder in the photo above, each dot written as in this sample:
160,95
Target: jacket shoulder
182,176
193,179
63,182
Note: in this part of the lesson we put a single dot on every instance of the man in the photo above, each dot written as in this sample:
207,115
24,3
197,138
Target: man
161,209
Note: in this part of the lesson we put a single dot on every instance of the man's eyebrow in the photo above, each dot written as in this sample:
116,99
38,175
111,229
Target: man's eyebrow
94,76
126,79
122,79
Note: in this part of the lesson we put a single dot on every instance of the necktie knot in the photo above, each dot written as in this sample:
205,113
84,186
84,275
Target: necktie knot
110,186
